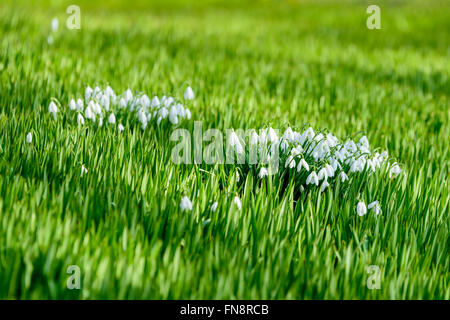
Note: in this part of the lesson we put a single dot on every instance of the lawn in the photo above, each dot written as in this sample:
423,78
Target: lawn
251,64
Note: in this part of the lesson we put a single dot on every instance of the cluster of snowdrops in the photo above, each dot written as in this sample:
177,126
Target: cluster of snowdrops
312,159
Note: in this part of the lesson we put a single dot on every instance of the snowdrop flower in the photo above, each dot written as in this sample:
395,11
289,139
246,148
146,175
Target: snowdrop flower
304,164
89,113
145,101
53,109
128,95
330,170
361,209
375,205
272,136
324,185
262,173
112,118
290,161
254,138
312,179
395,170
238,177
322,174
83,170
80,119
100,121
155,102
343,176
123,103
50,40
214,206
163,112
237,202
173,116
188,114
185,204
29,138
120,127
72,105
104,101
80,105
188,94
55,24
88,93
234,142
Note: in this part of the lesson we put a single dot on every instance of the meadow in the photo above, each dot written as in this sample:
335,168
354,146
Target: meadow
251,64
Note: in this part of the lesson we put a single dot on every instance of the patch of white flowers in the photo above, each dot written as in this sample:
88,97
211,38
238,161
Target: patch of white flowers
98,104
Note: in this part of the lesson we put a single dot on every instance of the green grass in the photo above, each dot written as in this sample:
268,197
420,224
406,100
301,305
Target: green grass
250,64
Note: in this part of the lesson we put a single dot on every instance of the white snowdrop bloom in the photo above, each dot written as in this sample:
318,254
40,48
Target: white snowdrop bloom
80,105
312,179
290,162
88,93
302,188
104,101
163,112
112,118
89,113
29,138
324,185
322,175
288,134
155,102
109,92
53,109
128,95
83,170
173,115
141,116
145,101
361,209
375,205
96,107
364,142
343,176
237,202
122,103
55,24
50,39
302,164
100,121
330,170
188,94
235,143
272,136
262,173
120,127
297,151
168,102
188,114
185,204
395,170
238,177
214,206
158,121
254,138
72,104
309,134
80,119
284,144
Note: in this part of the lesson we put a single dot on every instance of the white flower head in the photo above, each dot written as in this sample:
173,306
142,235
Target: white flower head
55,24
235,143
312,179
214,206
120,127
304,164
53,109
237,202
376,207
88,93
189,94
83,170
29,138
112,118
361,208
72,104
395,170
324,185
185,204
343,176
80,119
262,173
